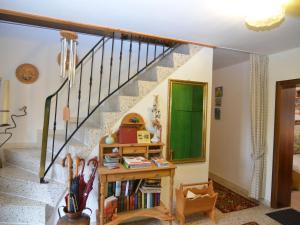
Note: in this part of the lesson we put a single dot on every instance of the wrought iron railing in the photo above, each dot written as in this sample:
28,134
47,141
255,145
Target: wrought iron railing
121,58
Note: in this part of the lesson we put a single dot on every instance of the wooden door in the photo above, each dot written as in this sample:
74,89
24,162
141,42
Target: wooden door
283,145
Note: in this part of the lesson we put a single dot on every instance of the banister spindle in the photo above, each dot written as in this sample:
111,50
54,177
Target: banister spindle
79,95
120,62
147,53
111,61
54,127
130,50
155,51
139,54
91,82
101,70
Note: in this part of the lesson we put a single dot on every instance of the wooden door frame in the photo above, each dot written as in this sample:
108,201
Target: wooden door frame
280,87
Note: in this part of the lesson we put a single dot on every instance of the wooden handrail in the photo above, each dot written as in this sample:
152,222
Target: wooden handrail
60,24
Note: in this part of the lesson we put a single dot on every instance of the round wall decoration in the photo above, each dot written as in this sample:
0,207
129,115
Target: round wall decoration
27,73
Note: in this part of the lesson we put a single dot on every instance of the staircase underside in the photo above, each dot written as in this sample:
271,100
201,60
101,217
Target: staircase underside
23,199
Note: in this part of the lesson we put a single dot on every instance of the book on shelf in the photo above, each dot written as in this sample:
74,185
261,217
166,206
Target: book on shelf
160,162
136,162
132,195
112,160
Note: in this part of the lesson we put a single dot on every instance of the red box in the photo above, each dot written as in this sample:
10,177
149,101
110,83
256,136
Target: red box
127,135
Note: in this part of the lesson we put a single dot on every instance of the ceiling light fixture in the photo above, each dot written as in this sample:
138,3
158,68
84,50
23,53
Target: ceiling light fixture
265,13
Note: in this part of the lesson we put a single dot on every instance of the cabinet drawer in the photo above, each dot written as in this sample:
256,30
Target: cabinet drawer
134,150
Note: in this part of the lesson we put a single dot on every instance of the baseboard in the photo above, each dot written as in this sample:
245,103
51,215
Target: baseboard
229,185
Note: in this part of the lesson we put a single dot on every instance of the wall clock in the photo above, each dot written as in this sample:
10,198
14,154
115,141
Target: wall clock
27,73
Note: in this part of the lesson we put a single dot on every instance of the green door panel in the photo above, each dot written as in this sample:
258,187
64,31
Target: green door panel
187,121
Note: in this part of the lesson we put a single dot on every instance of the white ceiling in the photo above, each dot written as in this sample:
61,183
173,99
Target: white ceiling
196,20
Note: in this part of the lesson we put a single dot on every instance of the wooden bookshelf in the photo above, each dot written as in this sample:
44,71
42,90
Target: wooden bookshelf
159,212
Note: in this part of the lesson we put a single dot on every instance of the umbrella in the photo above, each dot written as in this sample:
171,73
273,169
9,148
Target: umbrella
75,185
89,185
81,186
70,167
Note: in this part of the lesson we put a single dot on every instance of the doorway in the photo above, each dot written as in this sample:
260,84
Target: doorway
283,143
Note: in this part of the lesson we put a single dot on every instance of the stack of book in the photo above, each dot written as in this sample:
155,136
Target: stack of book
136,162
160,162
150,190
133,194
111,160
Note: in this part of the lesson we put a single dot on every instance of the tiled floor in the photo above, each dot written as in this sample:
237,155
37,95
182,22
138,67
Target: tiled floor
296,200
256,214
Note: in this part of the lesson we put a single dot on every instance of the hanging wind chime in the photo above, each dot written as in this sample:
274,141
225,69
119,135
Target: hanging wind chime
68,56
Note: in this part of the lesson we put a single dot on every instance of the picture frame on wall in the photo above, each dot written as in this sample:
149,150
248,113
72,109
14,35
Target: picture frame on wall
217,113
218,101
219,91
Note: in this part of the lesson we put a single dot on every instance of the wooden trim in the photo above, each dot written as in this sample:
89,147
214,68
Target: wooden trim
60,24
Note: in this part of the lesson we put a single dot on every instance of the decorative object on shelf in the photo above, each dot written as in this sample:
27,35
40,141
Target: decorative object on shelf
134,120
68,55
27,73
109,139
143,136
130,124
5,104
156,120
23,109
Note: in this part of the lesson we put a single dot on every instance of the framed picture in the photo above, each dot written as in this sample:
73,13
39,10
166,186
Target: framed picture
218,101
217,113
187,121
219,92
143,136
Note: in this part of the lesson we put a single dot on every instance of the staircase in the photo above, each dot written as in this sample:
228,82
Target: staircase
26,199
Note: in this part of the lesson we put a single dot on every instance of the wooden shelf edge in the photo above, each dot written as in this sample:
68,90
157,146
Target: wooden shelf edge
158,212
130,145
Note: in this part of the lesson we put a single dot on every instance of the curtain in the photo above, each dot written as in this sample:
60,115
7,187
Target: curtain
259,90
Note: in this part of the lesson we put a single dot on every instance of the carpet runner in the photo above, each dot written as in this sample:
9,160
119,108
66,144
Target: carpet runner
229,201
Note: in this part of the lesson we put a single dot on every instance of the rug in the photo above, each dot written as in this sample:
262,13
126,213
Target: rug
251,223
286,216
229,201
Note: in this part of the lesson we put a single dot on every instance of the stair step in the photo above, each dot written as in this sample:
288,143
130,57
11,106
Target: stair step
155,73
119,103
20,210
29,159
138,87
21,183
74,146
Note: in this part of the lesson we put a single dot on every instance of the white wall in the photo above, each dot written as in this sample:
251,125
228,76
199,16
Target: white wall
230,154
198,68
282,66
40,47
